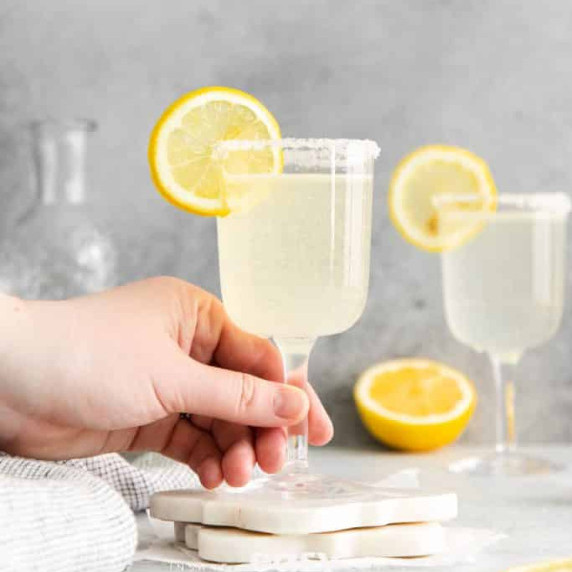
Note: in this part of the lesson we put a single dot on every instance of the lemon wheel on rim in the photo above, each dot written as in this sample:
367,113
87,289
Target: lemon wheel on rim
425,174
182,145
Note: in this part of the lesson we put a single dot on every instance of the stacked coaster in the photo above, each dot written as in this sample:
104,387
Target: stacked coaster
230,526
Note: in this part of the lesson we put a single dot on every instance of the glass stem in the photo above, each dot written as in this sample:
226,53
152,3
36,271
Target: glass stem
503,373
295,355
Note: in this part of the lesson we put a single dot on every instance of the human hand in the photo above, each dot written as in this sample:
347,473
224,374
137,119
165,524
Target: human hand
113,372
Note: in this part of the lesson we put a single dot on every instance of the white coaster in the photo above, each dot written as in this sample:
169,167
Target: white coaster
232,546
179,530
262,510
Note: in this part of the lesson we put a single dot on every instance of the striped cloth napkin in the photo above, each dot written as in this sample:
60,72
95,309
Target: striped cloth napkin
77,515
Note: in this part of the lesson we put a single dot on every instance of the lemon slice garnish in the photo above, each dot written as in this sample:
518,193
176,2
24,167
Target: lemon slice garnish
184,165
421,177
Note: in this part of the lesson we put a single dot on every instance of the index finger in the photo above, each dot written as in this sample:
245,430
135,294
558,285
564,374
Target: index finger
219,341
248,353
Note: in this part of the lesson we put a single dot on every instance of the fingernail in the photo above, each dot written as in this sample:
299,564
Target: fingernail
290,403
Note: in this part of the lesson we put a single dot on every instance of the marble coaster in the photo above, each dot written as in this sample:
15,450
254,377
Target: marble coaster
179,530
233,546
266,511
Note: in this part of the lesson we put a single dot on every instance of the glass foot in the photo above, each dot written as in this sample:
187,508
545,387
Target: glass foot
510,464
296,483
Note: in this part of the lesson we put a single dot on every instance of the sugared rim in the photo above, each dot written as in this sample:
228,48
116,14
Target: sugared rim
557,203
338,145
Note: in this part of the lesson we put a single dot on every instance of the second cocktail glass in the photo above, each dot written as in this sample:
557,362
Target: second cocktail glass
503,291
294,260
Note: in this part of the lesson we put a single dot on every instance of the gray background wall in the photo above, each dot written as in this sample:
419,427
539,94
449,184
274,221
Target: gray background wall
491,75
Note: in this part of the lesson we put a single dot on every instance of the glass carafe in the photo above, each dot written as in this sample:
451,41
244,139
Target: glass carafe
55,250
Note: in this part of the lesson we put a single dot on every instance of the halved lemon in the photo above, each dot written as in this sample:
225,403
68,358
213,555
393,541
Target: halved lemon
414,404
184,166
425,174
551,566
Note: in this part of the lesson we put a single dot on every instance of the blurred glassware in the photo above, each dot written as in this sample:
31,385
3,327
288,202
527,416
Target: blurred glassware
503,290
54,250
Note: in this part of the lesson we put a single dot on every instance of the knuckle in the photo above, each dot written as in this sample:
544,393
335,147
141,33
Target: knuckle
170,286
247,393
164,282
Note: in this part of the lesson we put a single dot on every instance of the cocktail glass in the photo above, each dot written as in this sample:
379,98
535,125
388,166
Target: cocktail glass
294,258
503,291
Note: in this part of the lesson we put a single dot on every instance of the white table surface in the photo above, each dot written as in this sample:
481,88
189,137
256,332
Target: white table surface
534,512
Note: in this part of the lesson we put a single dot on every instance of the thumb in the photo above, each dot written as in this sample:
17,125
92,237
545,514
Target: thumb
193,387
